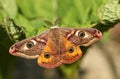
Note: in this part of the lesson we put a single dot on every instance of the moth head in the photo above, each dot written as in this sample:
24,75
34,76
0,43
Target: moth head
85,37
26,48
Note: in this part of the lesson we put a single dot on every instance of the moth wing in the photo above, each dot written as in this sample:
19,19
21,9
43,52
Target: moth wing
29,48
72,52
49,58
48,63
81,36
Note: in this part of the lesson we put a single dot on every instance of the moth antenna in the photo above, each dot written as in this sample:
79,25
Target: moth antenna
54,23
48,23
45,26
57,21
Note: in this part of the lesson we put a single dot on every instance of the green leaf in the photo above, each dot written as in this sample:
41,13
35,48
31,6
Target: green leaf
10,7
35,8
10,32
110,11
26,24
118,11
14,32
78,12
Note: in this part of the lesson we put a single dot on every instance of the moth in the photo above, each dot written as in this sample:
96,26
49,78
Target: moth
56,45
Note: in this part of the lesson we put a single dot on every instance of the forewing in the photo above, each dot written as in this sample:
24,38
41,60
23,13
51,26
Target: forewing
81,36
29,48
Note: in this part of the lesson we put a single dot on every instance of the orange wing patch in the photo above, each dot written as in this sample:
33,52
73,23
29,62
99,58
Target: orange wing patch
72,53
49,57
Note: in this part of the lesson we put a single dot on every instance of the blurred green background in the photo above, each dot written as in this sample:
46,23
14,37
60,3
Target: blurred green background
31,13
29,16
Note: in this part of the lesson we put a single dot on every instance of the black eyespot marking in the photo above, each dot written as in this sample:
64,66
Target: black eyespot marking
47,55
30,44
81,34
71,49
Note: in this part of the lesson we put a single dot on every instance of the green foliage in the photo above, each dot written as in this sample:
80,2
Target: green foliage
110,11
108,14
31,13
9,5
